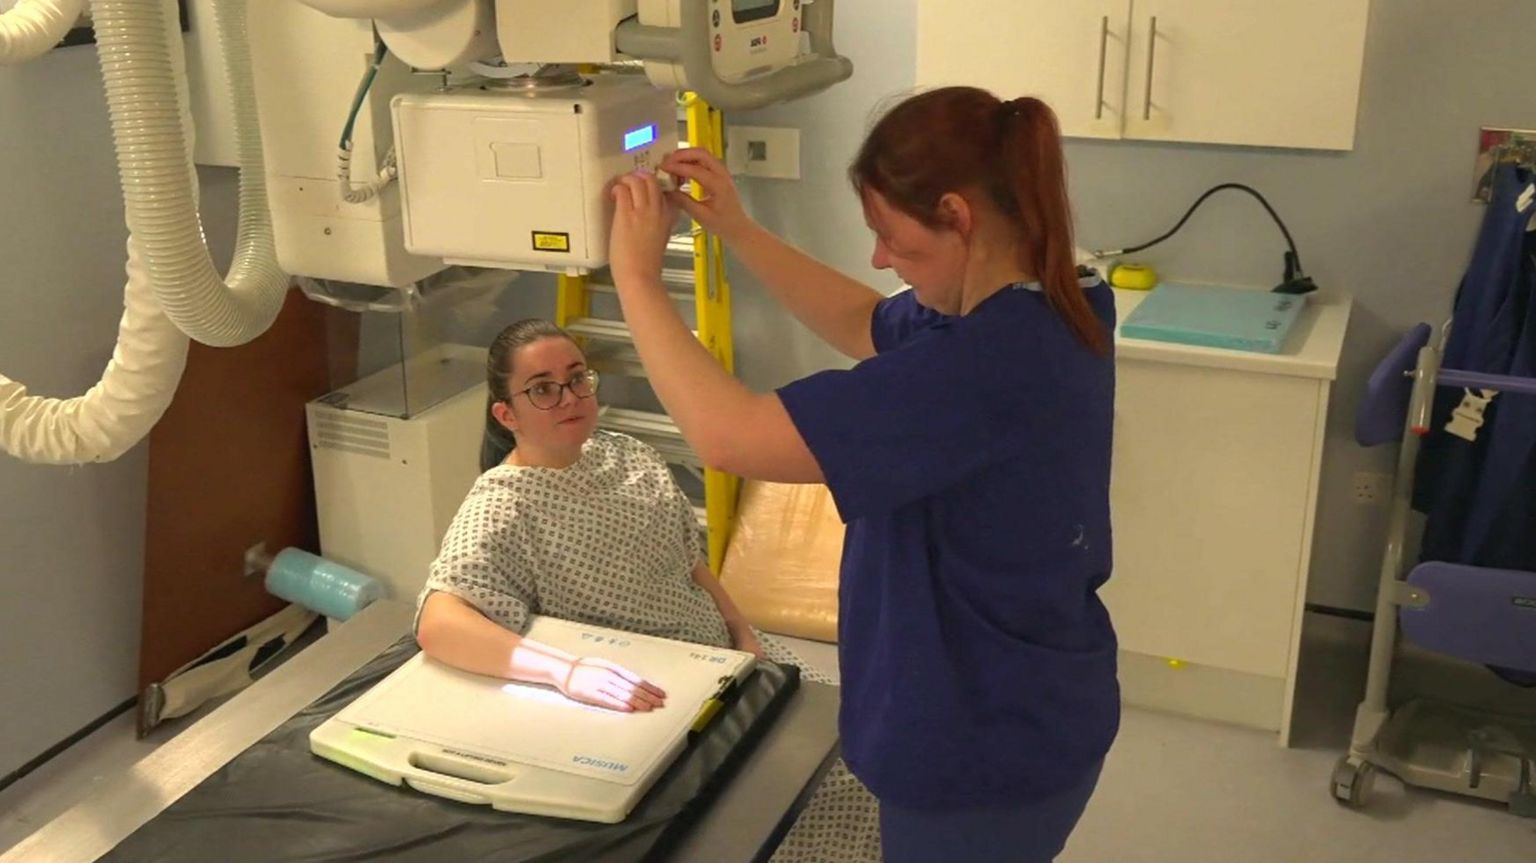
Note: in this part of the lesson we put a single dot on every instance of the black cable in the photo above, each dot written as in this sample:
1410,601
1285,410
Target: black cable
1200,200
1294,281
1347,613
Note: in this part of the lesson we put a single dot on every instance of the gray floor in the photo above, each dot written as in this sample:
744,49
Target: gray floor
1174,789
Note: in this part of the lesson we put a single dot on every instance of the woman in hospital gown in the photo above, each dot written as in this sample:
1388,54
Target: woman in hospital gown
588,525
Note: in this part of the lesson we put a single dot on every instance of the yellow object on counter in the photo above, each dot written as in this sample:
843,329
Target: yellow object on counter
1135,277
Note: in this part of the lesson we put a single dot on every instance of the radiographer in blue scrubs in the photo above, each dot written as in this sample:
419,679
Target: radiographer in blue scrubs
968,451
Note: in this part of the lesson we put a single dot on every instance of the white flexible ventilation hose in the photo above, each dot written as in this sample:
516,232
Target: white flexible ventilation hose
117,412
154,133
134,44
33,27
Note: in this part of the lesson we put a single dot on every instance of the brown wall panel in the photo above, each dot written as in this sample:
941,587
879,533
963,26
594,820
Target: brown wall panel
229,468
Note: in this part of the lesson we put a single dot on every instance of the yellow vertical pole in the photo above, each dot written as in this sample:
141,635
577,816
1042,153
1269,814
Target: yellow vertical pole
571,300
726,487
720,286
712,300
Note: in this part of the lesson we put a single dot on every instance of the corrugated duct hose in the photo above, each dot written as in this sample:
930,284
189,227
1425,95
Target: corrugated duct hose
31,28
172,285
149,124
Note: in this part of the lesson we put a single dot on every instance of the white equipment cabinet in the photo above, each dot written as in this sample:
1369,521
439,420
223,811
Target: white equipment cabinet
1216,466
389,477
1204,71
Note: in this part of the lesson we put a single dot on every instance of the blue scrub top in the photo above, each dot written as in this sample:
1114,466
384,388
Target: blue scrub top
970,459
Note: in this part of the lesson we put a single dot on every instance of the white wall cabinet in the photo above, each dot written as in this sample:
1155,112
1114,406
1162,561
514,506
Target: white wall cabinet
1073,55
1250,72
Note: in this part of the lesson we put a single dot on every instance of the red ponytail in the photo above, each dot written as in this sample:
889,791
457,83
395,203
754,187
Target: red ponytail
958,139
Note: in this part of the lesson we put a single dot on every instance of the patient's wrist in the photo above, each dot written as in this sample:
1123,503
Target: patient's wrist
531,663
560,671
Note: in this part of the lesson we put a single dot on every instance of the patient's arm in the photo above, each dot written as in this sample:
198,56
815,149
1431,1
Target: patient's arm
742,637
455,633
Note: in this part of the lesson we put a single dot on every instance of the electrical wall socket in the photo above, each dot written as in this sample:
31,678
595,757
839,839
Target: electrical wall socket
1372,489
762,151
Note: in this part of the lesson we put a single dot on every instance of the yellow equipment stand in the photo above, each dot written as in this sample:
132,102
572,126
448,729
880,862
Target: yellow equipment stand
711,293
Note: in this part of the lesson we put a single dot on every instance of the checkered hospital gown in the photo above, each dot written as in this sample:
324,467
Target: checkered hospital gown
611,541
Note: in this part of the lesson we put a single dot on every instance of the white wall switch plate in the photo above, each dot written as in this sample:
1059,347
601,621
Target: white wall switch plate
761,151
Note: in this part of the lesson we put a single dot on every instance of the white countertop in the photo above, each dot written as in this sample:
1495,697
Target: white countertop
1311,350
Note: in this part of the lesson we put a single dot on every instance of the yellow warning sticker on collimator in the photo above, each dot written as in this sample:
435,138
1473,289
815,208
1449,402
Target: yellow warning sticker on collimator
550,241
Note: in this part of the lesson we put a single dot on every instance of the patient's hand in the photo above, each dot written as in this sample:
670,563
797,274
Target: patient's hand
606,684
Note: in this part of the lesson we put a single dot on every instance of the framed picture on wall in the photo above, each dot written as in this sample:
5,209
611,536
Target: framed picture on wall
1494,147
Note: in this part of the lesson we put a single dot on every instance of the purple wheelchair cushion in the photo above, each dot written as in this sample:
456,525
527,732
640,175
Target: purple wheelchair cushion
1474,613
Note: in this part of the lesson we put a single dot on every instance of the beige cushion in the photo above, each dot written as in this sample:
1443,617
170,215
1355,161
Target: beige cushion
781,566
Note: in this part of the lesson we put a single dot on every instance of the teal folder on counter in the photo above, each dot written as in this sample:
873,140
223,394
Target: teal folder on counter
1243,319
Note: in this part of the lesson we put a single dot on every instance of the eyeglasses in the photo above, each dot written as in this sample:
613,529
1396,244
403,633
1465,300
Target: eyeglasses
546,395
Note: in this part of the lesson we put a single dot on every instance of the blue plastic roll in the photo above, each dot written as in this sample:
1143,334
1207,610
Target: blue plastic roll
320,585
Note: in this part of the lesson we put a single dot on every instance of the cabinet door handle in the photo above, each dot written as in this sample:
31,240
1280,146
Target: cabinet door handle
1098,108
1146,105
